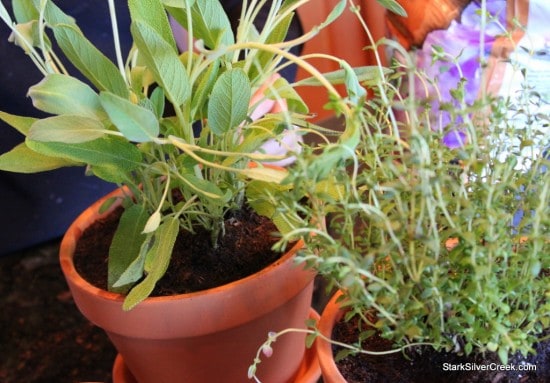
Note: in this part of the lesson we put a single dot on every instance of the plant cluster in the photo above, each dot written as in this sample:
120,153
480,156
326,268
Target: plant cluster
431,242
176,129
184,133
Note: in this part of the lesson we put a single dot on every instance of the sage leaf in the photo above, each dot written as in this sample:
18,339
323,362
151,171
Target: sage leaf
202,89
62,94
67,129
103,151
24,11
393,6
152,13
210,22
153,222
21,123
111,173
229,101
21,159
267,174
160,254
126,247
93,64
134,122
53,14
365,74
206,188
163,61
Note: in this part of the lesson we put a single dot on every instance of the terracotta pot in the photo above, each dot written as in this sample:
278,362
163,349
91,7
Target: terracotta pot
330,316
308,372
207,336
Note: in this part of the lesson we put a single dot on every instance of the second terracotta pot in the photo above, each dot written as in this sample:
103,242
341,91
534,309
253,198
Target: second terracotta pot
330,316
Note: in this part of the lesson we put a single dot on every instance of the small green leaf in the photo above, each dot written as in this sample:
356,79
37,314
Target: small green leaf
126,245
228,106
21,123
24,11
364,74
21,159
203,88
335,13
206,188
157,101
66,128
163,61
134,122
100,152
152,13
153,222
111,173
53,14
164,240
503,355
310,339
62,94
210,22
267,174
93,64
393,6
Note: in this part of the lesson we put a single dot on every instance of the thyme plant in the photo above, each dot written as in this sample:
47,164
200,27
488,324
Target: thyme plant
432,242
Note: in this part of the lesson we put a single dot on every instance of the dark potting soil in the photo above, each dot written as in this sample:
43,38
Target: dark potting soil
425,365
196,265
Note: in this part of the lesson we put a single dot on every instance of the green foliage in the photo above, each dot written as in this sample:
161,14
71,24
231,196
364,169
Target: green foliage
444,246
132,121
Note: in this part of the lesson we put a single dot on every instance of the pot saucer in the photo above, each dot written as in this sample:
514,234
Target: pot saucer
308,372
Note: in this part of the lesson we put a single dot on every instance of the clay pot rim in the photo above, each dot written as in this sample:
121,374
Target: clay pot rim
332,313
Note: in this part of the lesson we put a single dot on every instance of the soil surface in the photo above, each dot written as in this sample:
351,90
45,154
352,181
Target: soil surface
423,365
196,265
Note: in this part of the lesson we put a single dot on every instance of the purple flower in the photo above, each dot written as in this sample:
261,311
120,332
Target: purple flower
455,139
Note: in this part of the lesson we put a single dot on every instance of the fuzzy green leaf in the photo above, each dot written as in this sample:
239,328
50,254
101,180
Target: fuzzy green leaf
53,14
111,173
66,128
103,151
152,13
134,122
62,94
165,237
93,64
24,11
21,159
21,123
266,174
163,61
335,13
228,106
393,6
206,188
364,74
203,87
125,247
210,22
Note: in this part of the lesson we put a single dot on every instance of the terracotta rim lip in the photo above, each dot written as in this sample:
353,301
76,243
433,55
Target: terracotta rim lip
331,314
89,215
